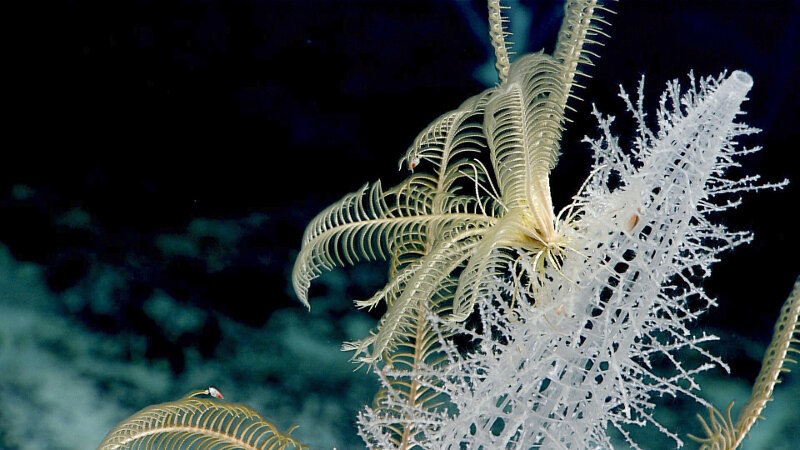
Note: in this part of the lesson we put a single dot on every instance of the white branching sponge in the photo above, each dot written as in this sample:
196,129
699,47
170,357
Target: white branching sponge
562,355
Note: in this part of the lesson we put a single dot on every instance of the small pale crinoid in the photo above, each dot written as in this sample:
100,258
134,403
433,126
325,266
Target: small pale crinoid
454,221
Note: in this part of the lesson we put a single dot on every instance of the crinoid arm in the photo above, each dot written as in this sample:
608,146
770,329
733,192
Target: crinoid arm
372,224
426,226
196,421
582,27
428,281
402,223
525,120
721,433
523,125
490,257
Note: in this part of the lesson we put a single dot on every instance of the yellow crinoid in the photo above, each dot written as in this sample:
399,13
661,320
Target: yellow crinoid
456,220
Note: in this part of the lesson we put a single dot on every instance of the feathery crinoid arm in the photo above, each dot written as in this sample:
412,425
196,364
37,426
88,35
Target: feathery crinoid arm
449,148
412,405
721,433
524,121
197,422
403,223
582,26
786,340
405,346
371,224
497,34
491,256
420,284
523,125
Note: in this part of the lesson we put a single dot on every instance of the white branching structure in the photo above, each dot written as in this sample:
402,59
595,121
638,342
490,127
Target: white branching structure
562,352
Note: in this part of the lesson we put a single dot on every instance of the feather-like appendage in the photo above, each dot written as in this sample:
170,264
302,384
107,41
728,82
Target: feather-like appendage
721,432
428,280
582,26
425,226
196,422
411,405
371,224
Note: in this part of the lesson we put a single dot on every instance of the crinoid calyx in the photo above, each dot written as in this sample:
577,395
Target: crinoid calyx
456,220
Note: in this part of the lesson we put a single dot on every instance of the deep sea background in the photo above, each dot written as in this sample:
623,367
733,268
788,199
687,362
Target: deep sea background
162,158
